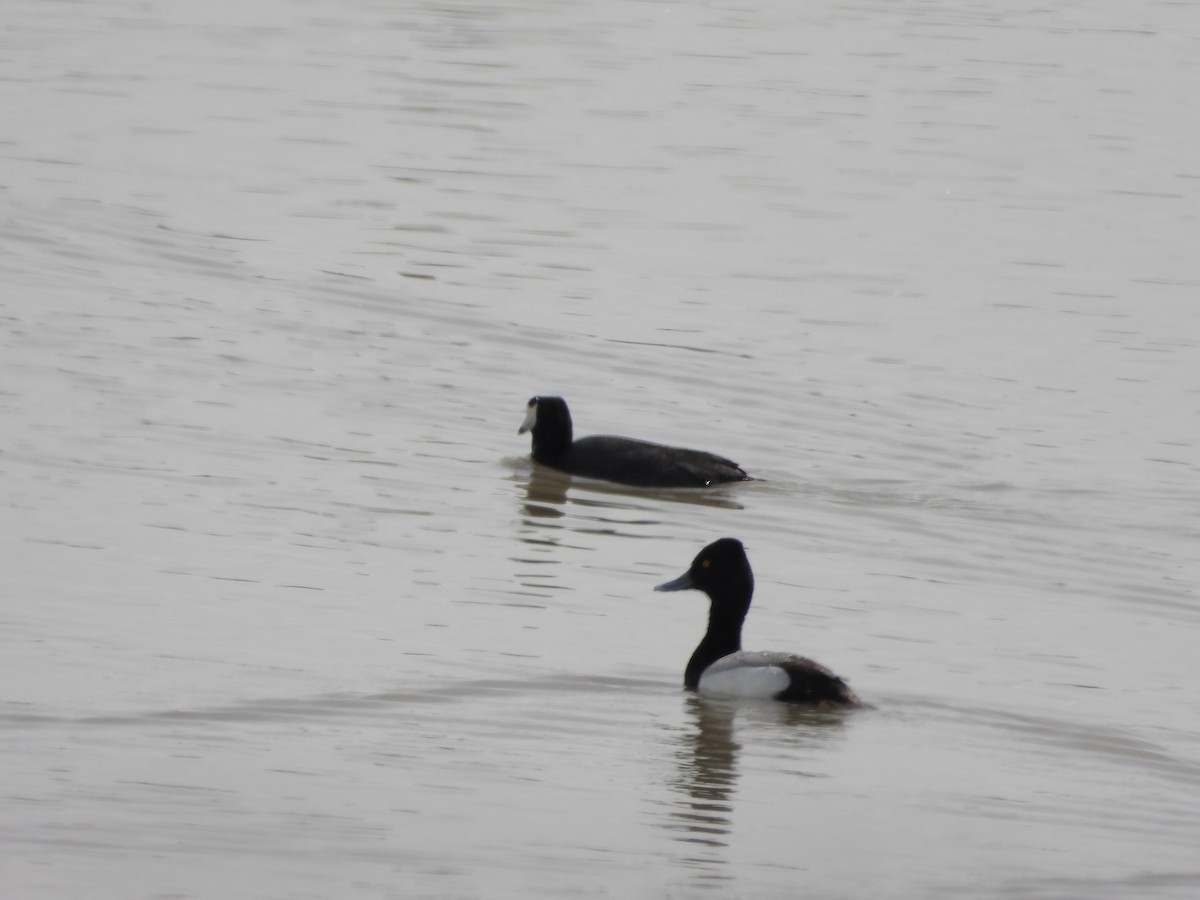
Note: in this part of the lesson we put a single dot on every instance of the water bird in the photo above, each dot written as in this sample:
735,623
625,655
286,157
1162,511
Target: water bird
620,459
719,666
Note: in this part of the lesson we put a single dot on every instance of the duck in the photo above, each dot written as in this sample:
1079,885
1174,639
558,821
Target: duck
619,459
720,667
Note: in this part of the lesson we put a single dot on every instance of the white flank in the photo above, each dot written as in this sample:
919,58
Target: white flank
743,675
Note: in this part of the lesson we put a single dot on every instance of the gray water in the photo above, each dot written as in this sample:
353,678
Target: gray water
286,610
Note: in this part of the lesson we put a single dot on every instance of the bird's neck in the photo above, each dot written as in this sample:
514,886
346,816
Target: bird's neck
724,636
550,444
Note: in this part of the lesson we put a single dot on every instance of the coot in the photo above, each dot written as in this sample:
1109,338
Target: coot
619,459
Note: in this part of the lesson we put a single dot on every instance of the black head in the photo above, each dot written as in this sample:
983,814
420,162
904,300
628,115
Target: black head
550,421
721,570
546,414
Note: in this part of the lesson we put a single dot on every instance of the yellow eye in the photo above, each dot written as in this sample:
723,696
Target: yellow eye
705,563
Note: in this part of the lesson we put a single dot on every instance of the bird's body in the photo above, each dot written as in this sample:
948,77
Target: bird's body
619,459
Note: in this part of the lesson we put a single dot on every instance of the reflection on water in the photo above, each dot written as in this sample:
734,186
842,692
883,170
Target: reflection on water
545,485
703,810
706,763
545,491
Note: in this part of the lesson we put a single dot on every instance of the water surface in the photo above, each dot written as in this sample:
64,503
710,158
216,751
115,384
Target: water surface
288,612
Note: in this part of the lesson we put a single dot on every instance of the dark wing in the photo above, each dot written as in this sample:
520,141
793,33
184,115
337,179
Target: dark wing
813,684
645,464
808,682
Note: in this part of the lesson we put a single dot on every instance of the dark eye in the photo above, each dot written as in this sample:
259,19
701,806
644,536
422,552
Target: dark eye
705,563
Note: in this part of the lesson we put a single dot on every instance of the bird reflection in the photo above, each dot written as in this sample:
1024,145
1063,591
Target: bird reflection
707,767
546,496
706,763
546,493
